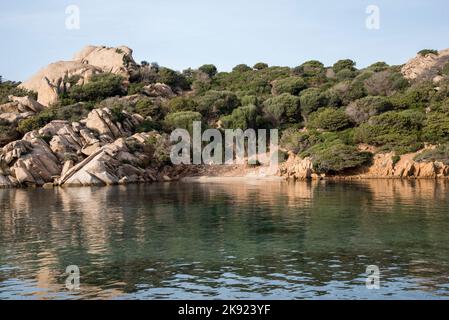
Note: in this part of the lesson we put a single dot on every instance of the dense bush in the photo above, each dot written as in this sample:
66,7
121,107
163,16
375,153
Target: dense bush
100,86
182,120
36,122
11,88
335,157
299,141
181,104
385,83
398,131
445,70
208,69
329,119
246,117
436,127
311,100
282,109
241,68
361,110
216,103
441,154
260,66
378,66
173,78
291,85
348,91
343,64
425,52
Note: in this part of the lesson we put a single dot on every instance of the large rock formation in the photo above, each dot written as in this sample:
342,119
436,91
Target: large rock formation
426,67
111,60
99,150
51,81
19,108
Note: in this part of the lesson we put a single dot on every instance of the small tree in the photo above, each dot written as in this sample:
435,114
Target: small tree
260,66
343,64
209,69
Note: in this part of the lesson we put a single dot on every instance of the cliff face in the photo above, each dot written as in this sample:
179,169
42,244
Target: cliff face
382,166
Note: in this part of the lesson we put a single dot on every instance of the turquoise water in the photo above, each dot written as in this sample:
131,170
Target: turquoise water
239,240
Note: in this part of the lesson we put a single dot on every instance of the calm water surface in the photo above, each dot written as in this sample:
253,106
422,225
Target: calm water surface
265,240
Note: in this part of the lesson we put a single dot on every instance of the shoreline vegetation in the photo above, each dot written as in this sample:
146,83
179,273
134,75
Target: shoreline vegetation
103,119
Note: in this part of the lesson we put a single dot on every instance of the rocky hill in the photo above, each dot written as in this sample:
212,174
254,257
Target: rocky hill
104,119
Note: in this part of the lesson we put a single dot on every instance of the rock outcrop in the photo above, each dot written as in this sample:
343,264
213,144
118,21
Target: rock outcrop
111,60
382,166
99,150
51,81
19,108
426,67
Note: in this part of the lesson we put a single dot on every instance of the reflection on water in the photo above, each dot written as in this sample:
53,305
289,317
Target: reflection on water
265,240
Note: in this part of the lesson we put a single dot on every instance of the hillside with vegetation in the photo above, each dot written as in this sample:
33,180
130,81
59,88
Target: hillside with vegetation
324,113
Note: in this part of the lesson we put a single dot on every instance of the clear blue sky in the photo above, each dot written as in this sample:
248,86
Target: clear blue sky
188,33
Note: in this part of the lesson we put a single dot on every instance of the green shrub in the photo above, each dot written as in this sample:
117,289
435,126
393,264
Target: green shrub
397,131
242,118
348,91
378,66
11,88
182,120
310,68
260,66
284,108
299,141
361,110
215,103
441,154
311,100
173,78
425,52
148,108
36,122
329,119
343,64
148,125
436,128
345,74
181,104
445,70
208,69
336,157
417,96
241,68
291,85
100,86
385,83
135,88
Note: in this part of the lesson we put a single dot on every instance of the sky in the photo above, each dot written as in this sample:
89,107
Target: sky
189,33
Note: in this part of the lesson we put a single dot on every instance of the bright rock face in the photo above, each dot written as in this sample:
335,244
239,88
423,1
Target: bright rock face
111,60
19,108
382,166
51,81
98,150
426,67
